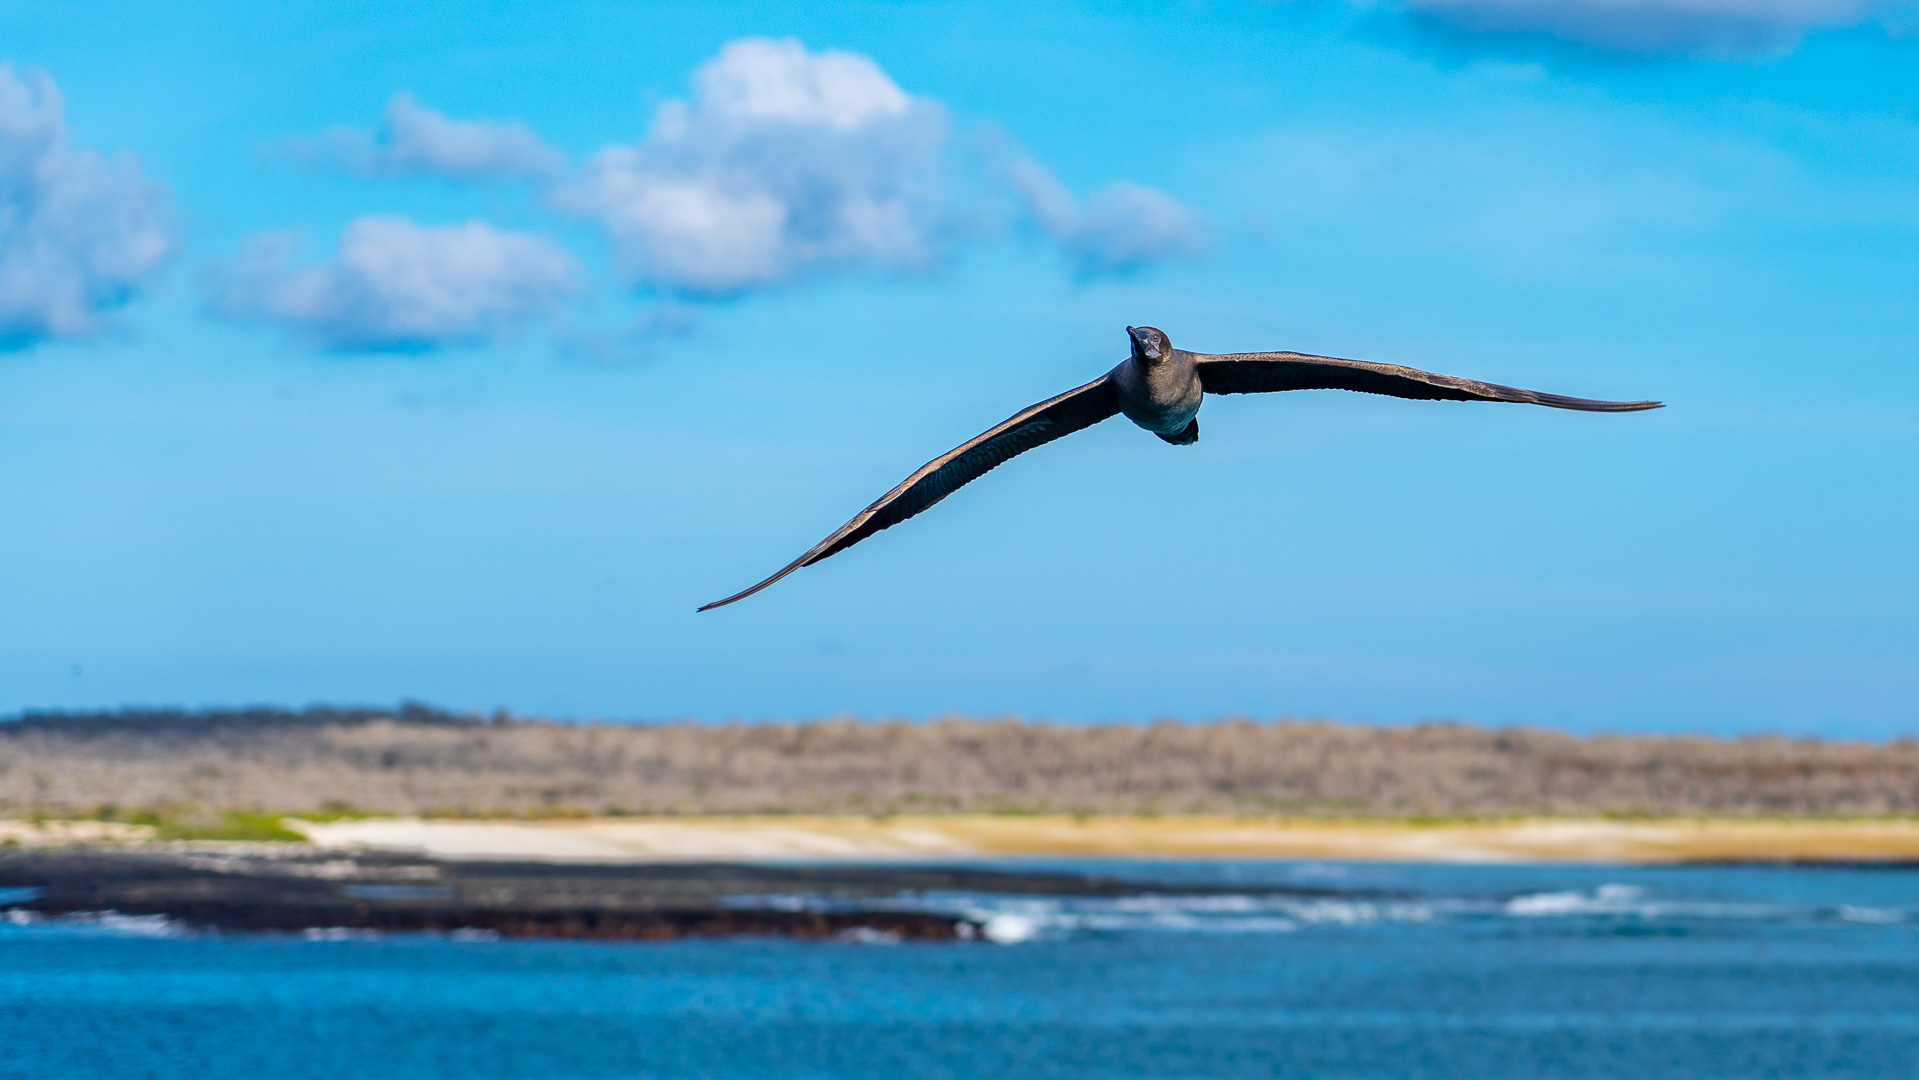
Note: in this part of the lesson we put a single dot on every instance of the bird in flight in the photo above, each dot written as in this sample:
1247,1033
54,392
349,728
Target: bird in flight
1159,388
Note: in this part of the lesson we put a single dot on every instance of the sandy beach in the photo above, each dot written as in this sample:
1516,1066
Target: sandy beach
932,837
850,838
50,833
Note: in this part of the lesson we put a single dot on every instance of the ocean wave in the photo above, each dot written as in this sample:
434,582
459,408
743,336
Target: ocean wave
103,923
1009,920
867,935
355,933
1868,915
338,933
1634,902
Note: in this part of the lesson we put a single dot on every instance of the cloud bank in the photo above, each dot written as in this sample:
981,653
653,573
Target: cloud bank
788,163
1705,28
79,233
413,140
785,164
781,165
397,285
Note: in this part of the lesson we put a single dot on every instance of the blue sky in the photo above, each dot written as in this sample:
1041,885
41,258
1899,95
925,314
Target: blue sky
367,352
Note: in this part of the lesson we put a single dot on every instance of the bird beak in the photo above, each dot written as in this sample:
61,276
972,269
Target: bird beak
1141,345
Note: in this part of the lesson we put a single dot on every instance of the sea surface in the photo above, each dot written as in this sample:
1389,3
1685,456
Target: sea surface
1393,972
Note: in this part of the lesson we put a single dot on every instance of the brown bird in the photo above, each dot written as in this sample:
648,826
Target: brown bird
1159,388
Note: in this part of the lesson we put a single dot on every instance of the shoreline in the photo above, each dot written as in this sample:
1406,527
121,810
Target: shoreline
816,878
848,838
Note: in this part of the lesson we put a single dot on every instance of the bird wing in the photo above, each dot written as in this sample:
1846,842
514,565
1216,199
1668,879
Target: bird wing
1035,426
1259,373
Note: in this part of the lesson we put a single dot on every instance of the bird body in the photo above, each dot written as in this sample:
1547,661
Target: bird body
1159,388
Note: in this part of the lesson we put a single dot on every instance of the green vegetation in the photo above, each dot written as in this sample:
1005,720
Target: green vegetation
231,825
185,821
334,811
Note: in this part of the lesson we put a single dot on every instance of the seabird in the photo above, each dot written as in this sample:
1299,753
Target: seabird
1159,388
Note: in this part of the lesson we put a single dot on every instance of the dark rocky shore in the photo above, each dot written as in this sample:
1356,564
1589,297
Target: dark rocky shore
247,892
253,888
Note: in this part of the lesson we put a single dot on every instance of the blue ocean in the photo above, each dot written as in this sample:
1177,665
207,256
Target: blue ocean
1390,972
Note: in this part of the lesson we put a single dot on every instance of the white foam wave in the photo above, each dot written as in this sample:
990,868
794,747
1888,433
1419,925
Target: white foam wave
1009,920
1631,901
355,933
337,933
867,935
106,923
1872,916
1009,928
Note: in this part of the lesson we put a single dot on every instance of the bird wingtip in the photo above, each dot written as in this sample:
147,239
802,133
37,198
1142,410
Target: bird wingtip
743,594
1591,405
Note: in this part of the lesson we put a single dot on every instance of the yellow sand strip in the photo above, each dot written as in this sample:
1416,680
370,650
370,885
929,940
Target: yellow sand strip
53,833
859,838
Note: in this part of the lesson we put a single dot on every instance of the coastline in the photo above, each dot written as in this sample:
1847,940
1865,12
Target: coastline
849,838
672,878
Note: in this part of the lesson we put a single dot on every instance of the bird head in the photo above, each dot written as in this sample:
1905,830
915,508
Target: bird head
1149,344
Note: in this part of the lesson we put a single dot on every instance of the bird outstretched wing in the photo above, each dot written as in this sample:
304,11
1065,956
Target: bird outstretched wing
1260,373
1035,426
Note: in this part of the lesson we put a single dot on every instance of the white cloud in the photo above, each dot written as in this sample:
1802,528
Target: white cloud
782,164
1723,28
79,234
398,285
785,163
1122,229
415,140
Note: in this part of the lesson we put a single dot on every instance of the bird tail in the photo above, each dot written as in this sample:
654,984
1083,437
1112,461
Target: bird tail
1187,435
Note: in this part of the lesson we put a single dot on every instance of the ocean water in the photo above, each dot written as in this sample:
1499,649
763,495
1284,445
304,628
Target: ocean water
1388,972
